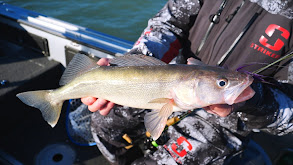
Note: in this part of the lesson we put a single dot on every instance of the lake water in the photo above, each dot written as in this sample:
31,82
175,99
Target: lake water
121,18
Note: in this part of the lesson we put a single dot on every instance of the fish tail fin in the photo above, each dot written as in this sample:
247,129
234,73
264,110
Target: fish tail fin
49,108
156,120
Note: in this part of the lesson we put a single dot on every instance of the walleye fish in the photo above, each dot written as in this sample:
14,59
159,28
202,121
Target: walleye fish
141,82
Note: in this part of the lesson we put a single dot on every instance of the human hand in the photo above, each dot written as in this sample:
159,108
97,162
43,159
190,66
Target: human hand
224,110
95,104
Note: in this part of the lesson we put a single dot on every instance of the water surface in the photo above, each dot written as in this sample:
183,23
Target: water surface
121,18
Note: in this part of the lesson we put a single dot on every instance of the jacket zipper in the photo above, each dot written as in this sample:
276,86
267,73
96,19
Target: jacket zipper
236,41
215,19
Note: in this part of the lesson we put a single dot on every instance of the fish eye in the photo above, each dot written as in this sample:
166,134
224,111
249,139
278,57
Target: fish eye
222,82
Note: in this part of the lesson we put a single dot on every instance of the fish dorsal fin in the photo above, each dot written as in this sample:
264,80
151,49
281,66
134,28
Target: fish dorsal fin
136,60
78,65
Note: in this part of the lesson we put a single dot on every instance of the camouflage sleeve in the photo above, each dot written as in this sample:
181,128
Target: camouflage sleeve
270,110
283,121
167,30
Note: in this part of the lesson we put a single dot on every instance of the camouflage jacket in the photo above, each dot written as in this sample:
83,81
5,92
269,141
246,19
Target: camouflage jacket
232,34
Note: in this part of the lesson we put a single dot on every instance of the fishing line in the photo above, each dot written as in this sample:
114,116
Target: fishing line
273,63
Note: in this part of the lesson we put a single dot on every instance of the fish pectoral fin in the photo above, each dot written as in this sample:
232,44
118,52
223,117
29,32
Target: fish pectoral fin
155,121
160,100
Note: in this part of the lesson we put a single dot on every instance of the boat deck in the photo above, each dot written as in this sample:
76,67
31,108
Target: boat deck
24,136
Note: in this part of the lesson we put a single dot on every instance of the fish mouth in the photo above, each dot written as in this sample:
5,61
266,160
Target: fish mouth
241,92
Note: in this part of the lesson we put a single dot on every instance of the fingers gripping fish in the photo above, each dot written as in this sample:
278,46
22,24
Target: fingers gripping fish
140,81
